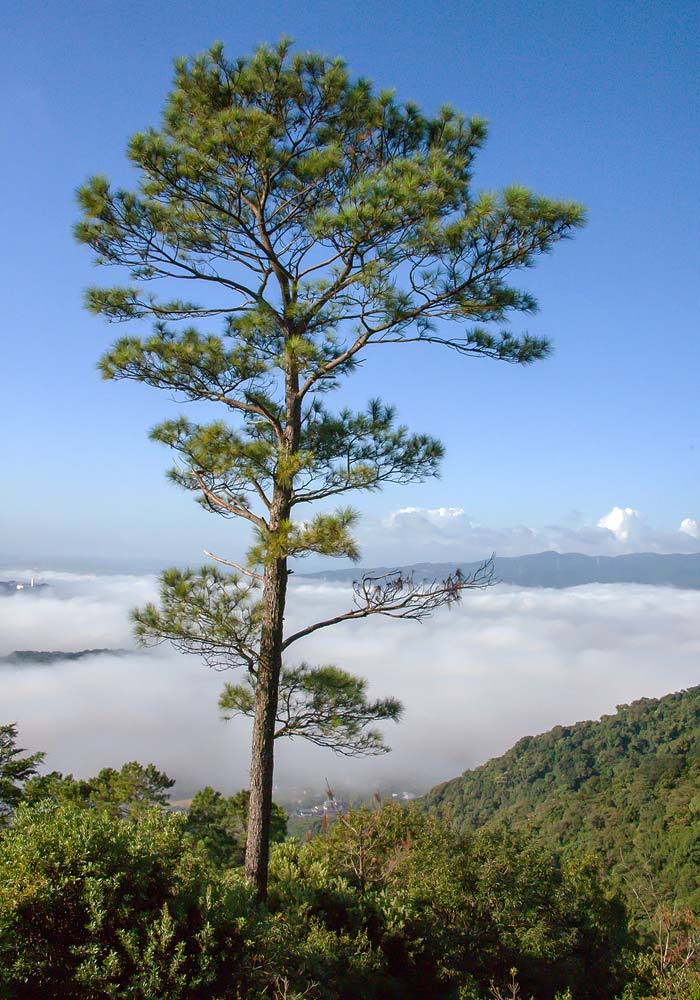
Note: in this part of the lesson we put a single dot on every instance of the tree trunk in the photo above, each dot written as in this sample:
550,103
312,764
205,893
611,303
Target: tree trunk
264,722
257,852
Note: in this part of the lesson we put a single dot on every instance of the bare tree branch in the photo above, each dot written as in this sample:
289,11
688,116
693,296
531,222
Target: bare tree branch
234,565
395,595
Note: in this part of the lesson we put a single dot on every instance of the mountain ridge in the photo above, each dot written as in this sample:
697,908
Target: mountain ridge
555,569
38,656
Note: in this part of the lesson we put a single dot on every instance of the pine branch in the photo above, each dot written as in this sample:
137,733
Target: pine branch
323,705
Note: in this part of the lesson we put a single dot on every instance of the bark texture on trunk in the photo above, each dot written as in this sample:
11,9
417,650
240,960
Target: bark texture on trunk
262,757
257,853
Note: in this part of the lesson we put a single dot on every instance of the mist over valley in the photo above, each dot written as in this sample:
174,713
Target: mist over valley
508,662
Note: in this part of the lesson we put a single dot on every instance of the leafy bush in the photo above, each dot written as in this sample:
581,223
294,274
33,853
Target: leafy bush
95,906
669,967
448,916
388,904
14,770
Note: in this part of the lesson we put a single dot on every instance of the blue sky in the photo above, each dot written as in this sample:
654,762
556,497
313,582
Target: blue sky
595,101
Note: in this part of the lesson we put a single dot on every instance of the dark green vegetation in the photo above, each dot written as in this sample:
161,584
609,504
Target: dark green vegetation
309,220
27,657
625,788
219,823
130,791
95,906
16,767
390,905
105,893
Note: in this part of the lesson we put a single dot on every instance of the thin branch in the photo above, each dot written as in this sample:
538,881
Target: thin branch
234,565
236,509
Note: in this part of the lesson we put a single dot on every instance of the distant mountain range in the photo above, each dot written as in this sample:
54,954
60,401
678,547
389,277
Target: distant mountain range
20,657
556,569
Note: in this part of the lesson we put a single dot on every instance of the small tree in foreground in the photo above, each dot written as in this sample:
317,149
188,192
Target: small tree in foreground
129,792
318,220
15,769
93,906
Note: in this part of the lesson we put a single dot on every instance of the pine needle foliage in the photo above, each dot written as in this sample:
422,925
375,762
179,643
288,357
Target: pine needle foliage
325,705
16,767
311,219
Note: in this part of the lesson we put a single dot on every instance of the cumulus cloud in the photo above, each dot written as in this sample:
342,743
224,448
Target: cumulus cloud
689,526
624,523
423,527
506,663
413,534
434,515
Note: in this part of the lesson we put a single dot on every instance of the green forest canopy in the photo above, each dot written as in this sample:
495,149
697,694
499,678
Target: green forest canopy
625,787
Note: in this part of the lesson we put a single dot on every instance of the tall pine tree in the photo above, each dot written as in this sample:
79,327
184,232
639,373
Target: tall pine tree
318,219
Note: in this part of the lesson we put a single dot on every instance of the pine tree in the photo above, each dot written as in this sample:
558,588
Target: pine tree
14,770
318,219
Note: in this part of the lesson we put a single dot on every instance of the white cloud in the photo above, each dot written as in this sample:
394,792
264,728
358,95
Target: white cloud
76,611
506,663
434,526
689,526
623,522
413,534
435,515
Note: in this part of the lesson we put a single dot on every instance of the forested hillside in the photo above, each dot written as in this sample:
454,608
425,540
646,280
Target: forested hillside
626,787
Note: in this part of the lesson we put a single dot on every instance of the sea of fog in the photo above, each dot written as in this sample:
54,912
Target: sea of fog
506,663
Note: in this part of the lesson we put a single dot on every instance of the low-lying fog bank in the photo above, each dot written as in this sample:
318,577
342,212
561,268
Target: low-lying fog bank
474,679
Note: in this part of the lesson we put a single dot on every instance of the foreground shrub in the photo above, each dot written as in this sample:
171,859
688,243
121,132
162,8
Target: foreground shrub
387,905
450,917
93,906
669,967
129,792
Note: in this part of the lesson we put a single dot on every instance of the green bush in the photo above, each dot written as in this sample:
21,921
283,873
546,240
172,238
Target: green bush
95,906
387,905
133,789
447,916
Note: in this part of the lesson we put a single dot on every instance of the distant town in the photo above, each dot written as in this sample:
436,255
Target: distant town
30,586
310,805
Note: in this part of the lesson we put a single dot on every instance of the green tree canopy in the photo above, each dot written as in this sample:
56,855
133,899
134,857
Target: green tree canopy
129,791
15,769
624,787
219,823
